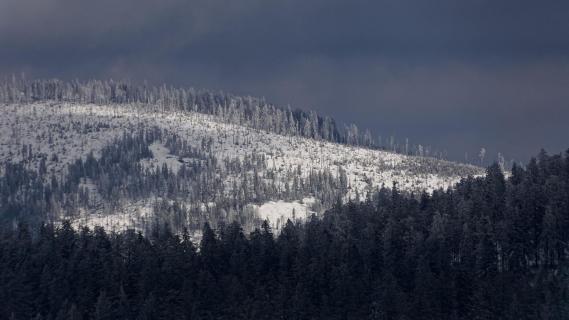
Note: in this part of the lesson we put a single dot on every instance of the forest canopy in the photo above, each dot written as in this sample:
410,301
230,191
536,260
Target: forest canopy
491,248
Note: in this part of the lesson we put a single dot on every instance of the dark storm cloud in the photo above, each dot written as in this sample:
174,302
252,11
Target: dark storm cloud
455,74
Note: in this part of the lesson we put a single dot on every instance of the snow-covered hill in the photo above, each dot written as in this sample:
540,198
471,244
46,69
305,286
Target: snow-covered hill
50,136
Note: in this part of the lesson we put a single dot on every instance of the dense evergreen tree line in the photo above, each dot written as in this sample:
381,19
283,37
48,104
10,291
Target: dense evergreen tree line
492,248
248,111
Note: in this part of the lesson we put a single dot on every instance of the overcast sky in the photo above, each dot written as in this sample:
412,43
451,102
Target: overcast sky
458,75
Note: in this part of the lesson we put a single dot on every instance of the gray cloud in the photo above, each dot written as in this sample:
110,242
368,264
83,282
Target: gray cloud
455,74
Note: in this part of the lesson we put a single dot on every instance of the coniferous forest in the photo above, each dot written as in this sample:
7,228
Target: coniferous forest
491,248
284,160
250,111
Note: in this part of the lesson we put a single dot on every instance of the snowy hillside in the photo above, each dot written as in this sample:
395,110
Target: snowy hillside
48,137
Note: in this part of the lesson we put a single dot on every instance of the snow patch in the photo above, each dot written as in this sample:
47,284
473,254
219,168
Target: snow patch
278,212
160,156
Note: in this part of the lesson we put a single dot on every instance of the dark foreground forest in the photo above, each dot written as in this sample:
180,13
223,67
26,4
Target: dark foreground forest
492,248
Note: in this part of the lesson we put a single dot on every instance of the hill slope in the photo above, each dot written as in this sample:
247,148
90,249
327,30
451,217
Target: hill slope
132,165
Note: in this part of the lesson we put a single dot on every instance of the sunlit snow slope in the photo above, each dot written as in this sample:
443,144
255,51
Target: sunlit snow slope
62,132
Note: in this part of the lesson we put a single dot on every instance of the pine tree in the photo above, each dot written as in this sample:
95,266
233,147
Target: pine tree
103,308
149,309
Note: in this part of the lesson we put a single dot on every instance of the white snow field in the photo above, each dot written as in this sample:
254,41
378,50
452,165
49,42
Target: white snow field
278,212
63,132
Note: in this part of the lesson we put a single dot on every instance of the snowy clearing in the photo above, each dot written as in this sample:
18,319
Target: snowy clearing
63,132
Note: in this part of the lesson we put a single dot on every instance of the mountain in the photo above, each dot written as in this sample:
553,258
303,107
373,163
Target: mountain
124,156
